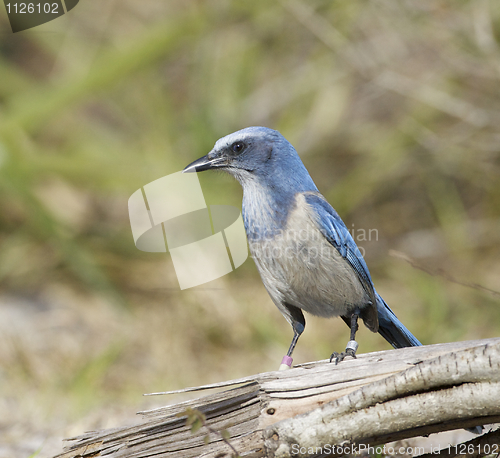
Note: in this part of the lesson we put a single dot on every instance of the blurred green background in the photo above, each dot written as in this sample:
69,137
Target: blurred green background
394,108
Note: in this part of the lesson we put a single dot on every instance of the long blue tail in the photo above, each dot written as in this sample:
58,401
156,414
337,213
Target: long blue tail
391,329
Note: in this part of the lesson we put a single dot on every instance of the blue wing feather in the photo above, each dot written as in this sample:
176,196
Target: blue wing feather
335,231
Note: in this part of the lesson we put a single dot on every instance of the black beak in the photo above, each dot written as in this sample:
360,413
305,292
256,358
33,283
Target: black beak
201,164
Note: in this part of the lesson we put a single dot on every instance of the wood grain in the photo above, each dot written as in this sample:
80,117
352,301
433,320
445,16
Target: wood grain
265,412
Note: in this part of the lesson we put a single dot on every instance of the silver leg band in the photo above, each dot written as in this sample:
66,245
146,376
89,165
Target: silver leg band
352,345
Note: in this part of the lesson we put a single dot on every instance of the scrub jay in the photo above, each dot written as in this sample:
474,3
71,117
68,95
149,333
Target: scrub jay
305,254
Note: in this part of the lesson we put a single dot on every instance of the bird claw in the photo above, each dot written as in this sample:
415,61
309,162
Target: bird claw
339,357
350,350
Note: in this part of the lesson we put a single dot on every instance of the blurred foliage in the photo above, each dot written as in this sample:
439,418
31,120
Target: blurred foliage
393,106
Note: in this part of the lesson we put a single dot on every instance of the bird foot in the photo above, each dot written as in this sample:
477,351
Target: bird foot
339,357
350,350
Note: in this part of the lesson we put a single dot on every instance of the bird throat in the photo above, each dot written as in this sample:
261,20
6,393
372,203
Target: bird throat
265,214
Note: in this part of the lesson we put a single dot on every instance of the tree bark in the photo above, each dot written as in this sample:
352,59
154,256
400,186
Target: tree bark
374,399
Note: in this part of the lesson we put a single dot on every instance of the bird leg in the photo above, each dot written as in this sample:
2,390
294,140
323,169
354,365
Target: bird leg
286,362
352,345
298,325
296,336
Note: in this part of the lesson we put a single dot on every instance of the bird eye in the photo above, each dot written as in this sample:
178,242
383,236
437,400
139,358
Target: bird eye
238,147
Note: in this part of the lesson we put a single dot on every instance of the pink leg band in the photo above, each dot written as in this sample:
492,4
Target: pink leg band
287,361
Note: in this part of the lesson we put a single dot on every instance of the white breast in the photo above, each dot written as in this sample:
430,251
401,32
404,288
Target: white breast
300,267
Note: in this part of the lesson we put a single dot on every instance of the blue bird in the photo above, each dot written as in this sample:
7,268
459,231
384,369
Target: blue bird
305,255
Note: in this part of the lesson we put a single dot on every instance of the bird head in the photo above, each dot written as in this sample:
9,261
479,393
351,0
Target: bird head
240,153
257,154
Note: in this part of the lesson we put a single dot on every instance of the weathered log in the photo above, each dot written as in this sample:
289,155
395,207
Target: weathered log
377,398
